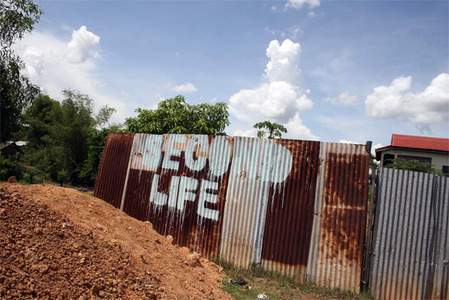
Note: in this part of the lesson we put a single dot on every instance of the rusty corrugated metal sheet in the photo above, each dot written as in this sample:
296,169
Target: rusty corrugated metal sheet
178,182
290,206
411,237
340,215
290,215
113,168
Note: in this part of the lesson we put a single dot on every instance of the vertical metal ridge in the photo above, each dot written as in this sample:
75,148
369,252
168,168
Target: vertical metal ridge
410,236
294,207
112,169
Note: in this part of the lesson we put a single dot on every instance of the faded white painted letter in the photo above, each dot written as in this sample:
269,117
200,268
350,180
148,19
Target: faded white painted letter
173,192
187,191
200,145
147,152
173,147
219,155
207,197
155,196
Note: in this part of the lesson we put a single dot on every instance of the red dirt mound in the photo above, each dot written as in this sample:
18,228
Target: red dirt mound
67,243
44,255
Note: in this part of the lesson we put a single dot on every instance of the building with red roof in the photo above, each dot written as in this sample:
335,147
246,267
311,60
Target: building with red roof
432,150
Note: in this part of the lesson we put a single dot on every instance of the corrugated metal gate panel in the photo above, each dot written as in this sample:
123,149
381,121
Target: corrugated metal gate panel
176,192
411,246
294,207
290,213
113,167
340,209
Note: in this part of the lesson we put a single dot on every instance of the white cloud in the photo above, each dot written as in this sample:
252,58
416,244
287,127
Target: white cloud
276,100
344,98
83,45
279,98
430,106
348,142
252,132
185,88
296,129
283,63
298,4
55,64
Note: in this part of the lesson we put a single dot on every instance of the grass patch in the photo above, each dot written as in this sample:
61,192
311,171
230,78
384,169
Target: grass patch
277,286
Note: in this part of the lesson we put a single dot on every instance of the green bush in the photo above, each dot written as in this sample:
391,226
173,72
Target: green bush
415,165
10,167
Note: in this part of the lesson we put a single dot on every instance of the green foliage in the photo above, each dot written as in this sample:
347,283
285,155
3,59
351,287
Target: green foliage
62,176
104,115
276,285
175,115
96,142
17,17
273,130
43,120
65,143
10,167
415,165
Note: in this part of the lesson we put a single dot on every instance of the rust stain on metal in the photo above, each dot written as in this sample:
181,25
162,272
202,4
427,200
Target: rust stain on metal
346,192
295,207
290,210
113,167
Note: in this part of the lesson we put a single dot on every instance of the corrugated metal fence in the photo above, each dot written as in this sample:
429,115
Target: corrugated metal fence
411,236
290,206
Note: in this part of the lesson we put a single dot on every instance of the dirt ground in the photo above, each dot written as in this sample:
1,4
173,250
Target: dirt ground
90,249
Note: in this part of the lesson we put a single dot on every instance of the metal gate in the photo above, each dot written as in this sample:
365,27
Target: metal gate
410,258
294,207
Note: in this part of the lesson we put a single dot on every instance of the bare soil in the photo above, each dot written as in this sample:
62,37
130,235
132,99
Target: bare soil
61,243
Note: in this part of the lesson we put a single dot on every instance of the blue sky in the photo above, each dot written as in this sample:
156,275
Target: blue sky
351,70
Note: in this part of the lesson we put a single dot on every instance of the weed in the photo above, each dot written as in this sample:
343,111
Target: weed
277,286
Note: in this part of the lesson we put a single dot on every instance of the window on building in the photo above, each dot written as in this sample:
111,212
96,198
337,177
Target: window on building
445,170
388,160
417,158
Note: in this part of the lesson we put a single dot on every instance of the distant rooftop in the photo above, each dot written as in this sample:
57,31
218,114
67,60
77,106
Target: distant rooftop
420,142
417,142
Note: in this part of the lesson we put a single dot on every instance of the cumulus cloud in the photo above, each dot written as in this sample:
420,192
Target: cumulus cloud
185,88
82,46
430,106
279,98
55,64
344,98
252,132
298,4
297,129
283,63
348,142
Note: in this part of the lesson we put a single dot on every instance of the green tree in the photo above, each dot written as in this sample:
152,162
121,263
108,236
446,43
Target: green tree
273,130
17,17
175,115
43,129
65,139
42,121
96,142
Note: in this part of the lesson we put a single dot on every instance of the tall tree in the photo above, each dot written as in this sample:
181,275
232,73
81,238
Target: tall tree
66,139
17,17
273,130
175,115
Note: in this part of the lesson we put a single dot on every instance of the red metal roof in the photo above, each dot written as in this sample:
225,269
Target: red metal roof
420,142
